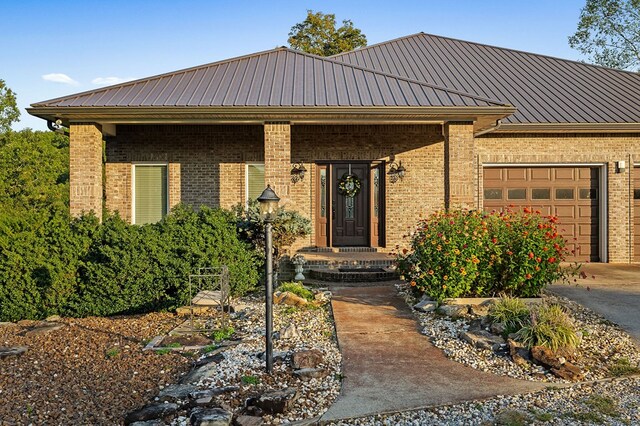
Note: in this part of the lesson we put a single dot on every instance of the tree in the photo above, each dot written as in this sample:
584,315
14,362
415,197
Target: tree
9,112
609,33
318,35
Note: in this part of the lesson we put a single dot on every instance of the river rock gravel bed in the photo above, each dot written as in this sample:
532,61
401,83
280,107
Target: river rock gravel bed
603,343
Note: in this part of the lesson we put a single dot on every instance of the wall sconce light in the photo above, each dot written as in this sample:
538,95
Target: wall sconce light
297,172
396,171
621,165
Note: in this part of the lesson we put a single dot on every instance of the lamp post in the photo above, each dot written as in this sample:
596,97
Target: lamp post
268,206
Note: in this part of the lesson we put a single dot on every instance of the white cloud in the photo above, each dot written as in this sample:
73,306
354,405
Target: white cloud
60,78
109,80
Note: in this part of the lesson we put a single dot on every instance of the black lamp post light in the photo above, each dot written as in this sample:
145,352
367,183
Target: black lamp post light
268,208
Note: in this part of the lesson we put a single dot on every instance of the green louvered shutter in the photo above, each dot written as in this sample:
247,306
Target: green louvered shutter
151,193
255,180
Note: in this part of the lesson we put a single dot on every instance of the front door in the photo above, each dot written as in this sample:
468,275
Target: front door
350,214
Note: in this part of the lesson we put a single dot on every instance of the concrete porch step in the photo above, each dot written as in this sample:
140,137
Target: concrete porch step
351,274
338,250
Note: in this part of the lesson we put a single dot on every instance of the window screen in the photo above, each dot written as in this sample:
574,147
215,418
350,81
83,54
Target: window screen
150,193
255,180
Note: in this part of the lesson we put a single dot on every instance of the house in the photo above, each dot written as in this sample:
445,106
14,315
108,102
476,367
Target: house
366,142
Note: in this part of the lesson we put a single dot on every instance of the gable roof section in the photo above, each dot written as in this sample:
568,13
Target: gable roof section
544,89
276,78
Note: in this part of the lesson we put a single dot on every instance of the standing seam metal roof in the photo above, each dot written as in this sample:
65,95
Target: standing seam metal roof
543,88
276,78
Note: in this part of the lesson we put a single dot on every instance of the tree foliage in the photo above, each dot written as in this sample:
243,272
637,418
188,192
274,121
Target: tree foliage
318,35
609,33
9,112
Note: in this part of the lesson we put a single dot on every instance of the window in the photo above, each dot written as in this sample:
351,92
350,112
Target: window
150,188
564,194
517,194
493,194
255,180
540,193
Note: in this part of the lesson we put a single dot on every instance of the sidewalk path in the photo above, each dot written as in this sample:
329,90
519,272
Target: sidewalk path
389,366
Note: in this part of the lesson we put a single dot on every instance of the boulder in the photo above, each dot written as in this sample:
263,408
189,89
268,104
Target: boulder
309,358
425,304
176,392
290,332
519,354
482,340
453,311
204,397
243,420
479,310
44,329
569,372
497,328
558,364
288,298
14,351
275,402
154,422
310,373
53,318
151,412
210,417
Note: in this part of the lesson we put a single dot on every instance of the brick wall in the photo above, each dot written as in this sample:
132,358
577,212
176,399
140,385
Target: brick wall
460,175
577,148
85,169
277,159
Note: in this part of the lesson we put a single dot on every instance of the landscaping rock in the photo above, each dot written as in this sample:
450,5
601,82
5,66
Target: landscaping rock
275,402
289,332
453,311
248,421
44,329
186,310
176,392
322,297
310,373
288,298
483,340
425,304
569,372
53,318
210,417
200,373
558,364
15,351
151,412
310,358
519,354
6,323
497,328
479,310
155,422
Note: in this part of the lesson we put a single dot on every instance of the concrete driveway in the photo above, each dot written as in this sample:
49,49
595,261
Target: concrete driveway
612,290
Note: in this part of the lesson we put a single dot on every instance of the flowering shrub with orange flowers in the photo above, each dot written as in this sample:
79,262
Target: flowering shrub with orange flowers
479,254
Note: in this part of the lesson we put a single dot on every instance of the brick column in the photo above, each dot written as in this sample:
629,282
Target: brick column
277,158
460,170
85,169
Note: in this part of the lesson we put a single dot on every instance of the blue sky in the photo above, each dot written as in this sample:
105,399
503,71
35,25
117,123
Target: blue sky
52,49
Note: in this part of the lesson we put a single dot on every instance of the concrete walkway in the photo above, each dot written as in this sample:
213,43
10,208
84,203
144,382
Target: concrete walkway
389,366
611,290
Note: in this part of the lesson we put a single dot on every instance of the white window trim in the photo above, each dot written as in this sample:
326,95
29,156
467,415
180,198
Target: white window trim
133,184
603,217
246,177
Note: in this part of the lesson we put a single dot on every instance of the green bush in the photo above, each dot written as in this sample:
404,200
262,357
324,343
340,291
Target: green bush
287,227
511,312
548,326
478,254
298,289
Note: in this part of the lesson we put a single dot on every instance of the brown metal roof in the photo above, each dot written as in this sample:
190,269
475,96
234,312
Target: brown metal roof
544,89
276,78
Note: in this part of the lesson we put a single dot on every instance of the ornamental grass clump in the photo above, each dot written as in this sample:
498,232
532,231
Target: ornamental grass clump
548,326
511,312
479,254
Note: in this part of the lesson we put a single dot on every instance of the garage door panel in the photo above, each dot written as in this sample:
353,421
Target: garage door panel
571,193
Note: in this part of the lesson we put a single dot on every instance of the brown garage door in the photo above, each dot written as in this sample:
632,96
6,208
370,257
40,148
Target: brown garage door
571,193
636,212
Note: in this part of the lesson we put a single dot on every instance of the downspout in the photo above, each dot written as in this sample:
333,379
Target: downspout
57,127
489,130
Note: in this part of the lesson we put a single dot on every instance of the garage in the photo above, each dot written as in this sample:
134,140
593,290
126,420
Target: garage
636,212
570,193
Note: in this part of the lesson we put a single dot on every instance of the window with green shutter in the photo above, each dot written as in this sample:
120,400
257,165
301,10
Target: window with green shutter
255,180
151,193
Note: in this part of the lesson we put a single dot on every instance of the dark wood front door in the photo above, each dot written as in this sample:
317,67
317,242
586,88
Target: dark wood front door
350,215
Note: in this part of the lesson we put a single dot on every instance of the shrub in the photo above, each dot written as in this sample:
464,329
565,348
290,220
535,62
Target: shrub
471,253
511,312
548,326
298,289
287,227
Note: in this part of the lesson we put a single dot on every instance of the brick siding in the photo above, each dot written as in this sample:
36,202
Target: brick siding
85,169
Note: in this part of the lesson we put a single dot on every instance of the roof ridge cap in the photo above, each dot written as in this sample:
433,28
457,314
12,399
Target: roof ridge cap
157,76
377,44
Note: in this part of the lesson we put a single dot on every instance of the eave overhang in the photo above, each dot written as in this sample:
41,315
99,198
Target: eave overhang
570,128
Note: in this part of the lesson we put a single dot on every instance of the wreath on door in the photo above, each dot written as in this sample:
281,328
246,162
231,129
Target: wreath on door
349,185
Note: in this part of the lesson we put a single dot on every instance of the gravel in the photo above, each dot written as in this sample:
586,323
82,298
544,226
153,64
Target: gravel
89,371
